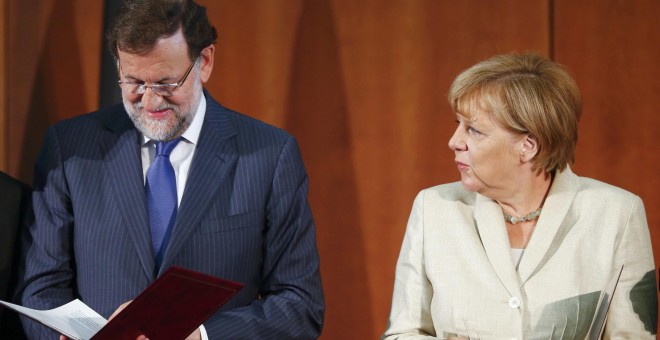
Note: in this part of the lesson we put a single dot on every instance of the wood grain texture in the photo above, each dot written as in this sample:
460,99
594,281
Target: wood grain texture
612,49
362,85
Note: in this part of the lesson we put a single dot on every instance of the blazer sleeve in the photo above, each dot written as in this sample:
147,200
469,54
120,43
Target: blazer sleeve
49,278
634,309
291,304
410,317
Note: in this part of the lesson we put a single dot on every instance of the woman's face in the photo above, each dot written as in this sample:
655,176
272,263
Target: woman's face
487,155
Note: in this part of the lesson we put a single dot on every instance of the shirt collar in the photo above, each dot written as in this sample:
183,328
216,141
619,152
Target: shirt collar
192,133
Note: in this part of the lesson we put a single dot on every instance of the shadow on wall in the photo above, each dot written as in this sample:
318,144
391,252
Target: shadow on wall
58,91
318,117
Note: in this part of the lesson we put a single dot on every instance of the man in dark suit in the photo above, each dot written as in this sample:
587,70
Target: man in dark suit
14,212
106,182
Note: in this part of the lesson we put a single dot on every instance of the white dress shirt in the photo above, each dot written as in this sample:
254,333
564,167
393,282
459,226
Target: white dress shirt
181,158
182,155
516,256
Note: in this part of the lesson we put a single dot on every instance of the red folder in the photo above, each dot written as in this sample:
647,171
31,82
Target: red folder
172,307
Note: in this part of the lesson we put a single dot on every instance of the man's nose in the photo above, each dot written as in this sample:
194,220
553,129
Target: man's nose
150,100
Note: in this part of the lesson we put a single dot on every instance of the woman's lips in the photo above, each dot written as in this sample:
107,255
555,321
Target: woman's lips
461,166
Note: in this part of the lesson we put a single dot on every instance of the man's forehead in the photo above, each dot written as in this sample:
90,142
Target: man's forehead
169,58
174,46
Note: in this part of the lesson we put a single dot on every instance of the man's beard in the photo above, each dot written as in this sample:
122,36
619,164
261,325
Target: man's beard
160,130
164,129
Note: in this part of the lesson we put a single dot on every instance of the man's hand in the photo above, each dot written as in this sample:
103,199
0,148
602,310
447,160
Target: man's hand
119,309
196,335
141,337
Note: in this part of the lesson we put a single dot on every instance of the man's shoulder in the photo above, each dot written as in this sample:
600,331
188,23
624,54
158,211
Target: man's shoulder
245,126
245,122
100,117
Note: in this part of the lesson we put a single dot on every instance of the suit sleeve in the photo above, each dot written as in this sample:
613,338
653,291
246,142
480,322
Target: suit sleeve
48,278
410,317
291,304
634,308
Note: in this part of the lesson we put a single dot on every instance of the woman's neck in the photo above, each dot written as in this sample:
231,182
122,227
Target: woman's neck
528,194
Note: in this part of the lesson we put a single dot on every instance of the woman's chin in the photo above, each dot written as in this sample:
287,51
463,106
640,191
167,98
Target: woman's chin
469,184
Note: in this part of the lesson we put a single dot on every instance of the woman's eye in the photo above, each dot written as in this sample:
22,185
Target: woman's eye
474,131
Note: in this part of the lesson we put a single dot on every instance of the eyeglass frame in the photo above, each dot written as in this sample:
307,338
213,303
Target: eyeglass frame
142,88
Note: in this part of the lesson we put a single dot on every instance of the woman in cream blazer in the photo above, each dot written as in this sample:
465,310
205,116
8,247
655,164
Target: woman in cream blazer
478,261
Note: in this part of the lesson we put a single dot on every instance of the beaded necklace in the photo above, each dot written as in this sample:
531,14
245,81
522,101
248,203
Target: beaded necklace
529,217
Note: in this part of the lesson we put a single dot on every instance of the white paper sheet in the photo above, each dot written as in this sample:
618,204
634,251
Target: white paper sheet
598,324
75,319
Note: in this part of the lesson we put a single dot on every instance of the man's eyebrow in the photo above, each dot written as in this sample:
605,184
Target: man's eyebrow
167,79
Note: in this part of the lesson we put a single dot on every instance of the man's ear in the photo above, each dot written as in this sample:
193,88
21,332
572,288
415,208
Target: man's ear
530,147
206,57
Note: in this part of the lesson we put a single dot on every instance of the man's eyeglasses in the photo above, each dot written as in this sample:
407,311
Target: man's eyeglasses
164,90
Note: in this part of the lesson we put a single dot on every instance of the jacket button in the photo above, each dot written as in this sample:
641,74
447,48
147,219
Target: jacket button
514,302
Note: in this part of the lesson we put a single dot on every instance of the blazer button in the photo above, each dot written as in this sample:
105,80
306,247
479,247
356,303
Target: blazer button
514,302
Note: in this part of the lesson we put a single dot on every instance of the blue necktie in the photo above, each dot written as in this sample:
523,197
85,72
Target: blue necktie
161,198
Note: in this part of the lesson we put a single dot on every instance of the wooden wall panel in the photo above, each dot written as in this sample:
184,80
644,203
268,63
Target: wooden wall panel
362,85
253,55
318,115
53,68
398,59
613,48
24,19
3,86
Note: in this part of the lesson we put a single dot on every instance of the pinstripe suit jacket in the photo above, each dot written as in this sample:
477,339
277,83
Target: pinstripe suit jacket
244,216
455,275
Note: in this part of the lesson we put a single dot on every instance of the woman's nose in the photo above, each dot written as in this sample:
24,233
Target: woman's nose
457,141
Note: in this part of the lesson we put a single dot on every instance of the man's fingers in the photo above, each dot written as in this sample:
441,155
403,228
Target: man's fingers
123,305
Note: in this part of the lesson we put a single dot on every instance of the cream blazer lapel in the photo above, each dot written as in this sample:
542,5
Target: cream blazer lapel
548,235
490,224
544,241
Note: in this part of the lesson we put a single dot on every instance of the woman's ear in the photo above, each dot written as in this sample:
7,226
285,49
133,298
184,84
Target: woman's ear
530,147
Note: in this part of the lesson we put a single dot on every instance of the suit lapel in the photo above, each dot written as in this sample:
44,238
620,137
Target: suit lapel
122,162
556,207
215,157
490,223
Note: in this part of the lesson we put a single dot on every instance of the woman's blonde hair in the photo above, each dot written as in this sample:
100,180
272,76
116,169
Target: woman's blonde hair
525,94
